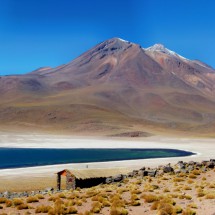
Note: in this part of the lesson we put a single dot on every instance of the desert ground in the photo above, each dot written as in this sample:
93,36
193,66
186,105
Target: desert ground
168,193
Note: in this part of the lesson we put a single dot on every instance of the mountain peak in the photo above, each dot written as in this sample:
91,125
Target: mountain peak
118,39
161,48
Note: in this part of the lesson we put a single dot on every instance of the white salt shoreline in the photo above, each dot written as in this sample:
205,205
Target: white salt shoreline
204,149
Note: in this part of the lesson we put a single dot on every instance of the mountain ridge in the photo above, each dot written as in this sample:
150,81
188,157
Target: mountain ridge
116,86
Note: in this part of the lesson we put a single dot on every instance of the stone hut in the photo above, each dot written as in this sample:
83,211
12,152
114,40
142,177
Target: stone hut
86,177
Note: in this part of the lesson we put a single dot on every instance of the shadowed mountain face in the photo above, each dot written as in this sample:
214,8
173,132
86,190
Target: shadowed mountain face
117,86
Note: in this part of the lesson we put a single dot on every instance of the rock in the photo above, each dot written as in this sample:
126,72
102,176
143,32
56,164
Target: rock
7,194
210,164
49,189
108,180
124,176
204,163
117,178
190,168
130,174
204,169
184,171
167,169
191,163
141,172
177,171
181,165
135,172
152,173
198,164
143,168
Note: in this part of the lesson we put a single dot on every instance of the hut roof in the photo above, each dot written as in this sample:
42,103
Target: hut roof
94,173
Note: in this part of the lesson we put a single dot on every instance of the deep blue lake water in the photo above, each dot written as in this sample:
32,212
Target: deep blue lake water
26,157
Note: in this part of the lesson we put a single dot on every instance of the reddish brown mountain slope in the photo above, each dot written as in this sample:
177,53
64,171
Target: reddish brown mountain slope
117,86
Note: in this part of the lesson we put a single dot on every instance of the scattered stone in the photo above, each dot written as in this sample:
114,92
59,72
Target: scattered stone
117,178
167,169
130,174
49,189
108,180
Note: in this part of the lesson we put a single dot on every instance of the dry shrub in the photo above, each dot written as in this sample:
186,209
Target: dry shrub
187,187
40,196
210,195
166,190
71,210
178,179
22,207
182,174
96,207
42,209
134,197
91,193
88,213
3,200
122,190
135,191
53,198
118,211
17,202
189,181
69,203
166,207
188,211
62,195
188,197
154,205
191,175
8,203
192,205
178,209
149,198
211,186
164,178
79,202
167,200
31,199
135,203
138,182
106,203
176,190
196,172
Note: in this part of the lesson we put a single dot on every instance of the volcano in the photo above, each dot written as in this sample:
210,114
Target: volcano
117,87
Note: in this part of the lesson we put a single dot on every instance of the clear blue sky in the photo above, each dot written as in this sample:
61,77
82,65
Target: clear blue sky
36,33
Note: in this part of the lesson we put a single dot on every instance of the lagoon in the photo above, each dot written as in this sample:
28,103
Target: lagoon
28,157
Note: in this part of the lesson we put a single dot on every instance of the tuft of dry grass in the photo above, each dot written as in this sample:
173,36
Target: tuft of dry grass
22,207
3,200
17,201
210,195
32,199
149,198
118,211
42,209
188,211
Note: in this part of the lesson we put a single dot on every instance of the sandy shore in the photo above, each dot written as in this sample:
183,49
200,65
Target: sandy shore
205,149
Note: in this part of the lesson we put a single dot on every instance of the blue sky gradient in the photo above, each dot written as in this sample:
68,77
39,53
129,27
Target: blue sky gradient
37,33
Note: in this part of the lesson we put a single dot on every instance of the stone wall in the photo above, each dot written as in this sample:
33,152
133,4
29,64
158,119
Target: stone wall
70,181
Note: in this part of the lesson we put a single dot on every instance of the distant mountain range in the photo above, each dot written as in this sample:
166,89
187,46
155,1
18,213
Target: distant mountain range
115,88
